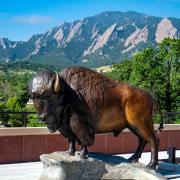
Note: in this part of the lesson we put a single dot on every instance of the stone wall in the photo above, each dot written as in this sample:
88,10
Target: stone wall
27,144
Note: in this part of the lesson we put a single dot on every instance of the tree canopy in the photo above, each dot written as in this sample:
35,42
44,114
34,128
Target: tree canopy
157,70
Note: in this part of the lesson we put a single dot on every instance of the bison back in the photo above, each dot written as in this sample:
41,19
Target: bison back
90,84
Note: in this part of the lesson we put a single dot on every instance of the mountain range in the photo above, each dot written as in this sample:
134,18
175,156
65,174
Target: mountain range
103,39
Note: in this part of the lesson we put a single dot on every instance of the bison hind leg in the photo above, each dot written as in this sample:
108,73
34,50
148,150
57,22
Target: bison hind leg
147,135
154,143
135,157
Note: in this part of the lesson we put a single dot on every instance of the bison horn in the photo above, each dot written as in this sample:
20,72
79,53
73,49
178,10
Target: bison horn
57,84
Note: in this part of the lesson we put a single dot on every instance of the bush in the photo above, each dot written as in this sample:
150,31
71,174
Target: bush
33,118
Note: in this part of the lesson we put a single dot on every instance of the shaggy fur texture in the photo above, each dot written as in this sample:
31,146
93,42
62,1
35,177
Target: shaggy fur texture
88,103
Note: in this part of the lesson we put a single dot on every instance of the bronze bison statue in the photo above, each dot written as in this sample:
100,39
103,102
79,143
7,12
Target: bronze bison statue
80,103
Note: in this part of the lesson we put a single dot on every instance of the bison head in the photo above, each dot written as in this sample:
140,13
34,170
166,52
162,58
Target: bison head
45,91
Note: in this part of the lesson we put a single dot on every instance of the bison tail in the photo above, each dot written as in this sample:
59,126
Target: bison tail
161,125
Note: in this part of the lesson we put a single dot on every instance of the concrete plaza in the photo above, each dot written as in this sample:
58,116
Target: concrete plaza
32,170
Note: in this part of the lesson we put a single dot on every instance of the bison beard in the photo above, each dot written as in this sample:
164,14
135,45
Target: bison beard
74,124
80,102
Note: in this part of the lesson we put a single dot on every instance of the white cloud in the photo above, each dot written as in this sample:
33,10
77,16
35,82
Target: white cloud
33,19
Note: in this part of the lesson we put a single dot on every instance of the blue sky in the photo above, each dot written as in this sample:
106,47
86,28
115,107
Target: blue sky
20,19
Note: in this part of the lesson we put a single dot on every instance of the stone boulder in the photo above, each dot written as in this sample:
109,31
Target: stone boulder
59,166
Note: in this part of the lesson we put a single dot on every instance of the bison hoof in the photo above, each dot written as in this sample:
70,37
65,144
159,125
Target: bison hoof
82,156
70,153
133,159
151,166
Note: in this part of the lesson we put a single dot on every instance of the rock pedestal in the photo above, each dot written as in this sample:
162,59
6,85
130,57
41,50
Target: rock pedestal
59,166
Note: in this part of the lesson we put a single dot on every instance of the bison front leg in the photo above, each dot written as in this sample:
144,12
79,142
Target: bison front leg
84,133
72,148
83,152
66,132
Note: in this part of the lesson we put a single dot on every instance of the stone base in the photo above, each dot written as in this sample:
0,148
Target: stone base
59,166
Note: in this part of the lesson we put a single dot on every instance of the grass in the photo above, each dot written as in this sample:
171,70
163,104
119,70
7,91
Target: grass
104,69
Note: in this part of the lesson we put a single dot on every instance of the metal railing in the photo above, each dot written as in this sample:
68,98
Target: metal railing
30,119
168,117
19,119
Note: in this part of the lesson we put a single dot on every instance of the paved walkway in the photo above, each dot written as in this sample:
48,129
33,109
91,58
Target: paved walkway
20,171
168,170
32,170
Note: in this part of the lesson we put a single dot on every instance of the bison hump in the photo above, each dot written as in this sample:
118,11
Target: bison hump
87,82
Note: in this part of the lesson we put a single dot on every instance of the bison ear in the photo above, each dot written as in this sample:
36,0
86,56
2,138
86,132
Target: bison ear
57,83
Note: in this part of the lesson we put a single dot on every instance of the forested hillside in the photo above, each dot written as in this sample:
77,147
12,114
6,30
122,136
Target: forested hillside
156,69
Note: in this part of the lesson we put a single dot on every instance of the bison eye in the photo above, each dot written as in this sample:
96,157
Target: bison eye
35,96
45,96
